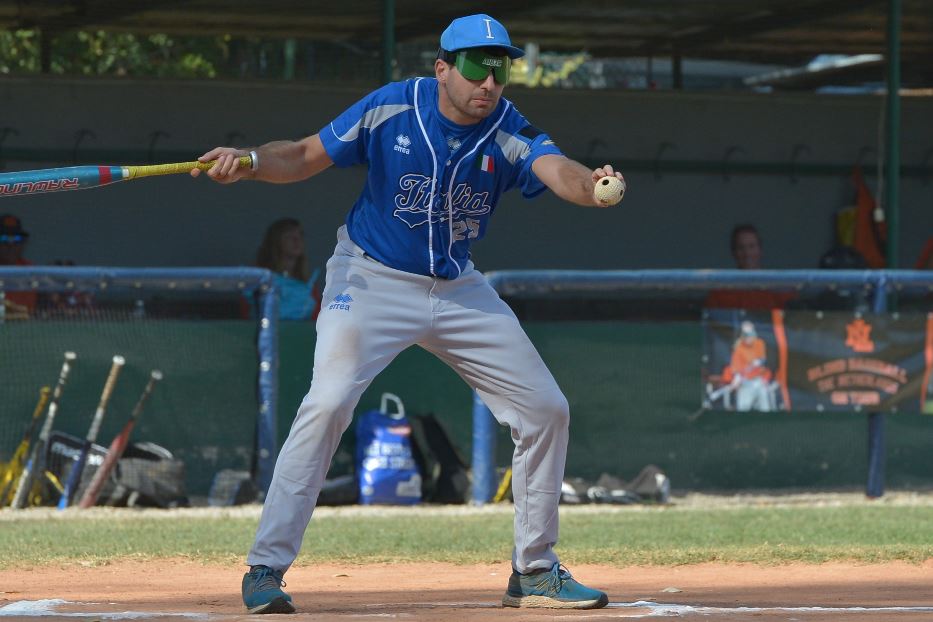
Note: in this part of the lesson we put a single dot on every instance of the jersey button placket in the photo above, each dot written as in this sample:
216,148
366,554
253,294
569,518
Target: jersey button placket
434,300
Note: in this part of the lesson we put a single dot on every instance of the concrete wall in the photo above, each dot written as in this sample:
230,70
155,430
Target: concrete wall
667,220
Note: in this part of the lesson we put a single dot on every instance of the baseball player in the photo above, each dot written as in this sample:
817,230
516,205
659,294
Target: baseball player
747,371
440,152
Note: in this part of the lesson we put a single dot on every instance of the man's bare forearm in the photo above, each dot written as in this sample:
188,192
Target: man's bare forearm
571,180
576,182
281,161
285,161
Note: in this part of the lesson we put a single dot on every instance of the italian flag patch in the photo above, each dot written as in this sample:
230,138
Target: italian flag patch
484,162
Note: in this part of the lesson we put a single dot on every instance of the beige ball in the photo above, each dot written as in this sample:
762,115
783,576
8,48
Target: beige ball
609,190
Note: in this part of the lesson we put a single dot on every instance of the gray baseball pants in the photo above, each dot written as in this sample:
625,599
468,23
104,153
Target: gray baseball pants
465,324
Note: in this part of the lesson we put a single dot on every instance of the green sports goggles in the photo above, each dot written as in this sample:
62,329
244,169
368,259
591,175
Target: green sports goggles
476,63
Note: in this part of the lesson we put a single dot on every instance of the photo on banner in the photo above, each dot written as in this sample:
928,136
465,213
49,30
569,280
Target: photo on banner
744,361
817,361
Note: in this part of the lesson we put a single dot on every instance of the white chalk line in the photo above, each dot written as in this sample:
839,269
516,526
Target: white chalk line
49,607
661,609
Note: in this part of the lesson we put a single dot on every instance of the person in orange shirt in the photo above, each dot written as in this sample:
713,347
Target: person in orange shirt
13,240
746,246
747,373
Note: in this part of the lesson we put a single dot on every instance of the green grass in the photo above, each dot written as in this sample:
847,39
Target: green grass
652,536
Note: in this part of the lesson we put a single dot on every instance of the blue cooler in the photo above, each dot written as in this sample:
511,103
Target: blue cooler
388,474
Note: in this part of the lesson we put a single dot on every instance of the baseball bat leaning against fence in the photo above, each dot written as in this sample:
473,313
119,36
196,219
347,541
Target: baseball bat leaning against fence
36,463
13,469
44,180
74,477
117,446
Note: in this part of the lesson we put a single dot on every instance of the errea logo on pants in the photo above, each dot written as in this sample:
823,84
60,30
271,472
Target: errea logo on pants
402,144
341,303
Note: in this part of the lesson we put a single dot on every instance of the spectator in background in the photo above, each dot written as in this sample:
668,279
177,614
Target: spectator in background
13,239
746,246
745,243
283,252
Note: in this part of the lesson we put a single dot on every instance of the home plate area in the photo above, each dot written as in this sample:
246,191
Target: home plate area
183,589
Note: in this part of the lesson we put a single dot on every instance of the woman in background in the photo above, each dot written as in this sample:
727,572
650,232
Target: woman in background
283,252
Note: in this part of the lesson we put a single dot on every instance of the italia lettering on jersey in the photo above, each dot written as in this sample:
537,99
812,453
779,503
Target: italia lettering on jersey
432,185
412,203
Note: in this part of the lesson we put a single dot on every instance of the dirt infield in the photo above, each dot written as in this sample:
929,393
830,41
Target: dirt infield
186,590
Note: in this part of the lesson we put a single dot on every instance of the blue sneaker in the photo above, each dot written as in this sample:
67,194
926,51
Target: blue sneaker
262,591
553,588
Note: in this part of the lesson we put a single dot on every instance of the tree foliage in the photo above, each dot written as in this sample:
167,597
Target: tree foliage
94,53
100,53
19,52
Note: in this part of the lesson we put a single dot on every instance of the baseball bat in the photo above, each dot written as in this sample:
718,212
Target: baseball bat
44,180
74,477
17,463
715,395
117,446
36,462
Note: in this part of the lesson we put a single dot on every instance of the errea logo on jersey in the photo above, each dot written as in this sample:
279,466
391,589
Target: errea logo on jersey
402,144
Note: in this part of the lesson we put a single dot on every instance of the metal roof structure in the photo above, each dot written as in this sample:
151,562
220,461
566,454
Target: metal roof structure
779,32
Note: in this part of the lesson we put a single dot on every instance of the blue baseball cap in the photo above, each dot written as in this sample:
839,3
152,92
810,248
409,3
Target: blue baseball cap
478,31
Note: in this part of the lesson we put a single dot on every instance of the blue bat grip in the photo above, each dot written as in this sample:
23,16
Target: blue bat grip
74,478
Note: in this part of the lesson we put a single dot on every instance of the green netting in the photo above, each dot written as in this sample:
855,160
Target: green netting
204,410
634,389
633,385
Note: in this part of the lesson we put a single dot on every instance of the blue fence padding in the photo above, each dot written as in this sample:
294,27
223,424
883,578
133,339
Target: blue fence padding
538,283
877,456
877,453
63,278
268,345
532,283
484,447
236,279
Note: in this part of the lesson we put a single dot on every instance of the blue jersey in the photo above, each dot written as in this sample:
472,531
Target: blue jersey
432,184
